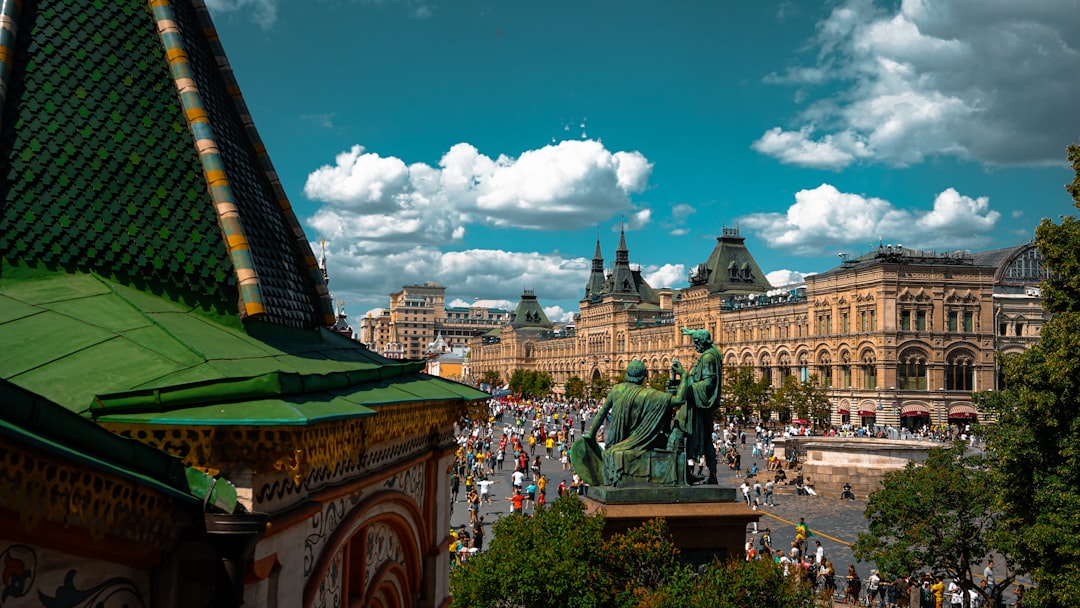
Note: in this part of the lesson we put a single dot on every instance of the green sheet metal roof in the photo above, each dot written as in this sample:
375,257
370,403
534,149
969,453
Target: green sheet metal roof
109,351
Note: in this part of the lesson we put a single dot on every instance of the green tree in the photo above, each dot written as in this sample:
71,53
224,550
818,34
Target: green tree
540,384
534,562
764,395
658,381
517,381
599,387
788,398
559,558
816,400
741,391
1035,440
734,584
937,515
559,554
491,377
575,388
530,383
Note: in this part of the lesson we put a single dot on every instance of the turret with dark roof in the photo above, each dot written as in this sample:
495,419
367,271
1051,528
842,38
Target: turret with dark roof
594,289
529,314
730,267
625,284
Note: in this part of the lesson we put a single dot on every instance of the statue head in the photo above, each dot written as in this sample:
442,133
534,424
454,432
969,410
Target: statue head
636,372
701,337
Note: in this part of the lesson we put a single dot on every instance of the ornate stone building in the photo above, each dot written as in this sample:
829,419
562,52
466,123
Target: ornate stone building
417,315
895,336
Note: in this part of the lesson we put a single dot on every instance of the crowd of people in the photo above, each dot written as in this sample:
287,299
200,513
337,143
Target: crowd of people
519,437
523,438
878,590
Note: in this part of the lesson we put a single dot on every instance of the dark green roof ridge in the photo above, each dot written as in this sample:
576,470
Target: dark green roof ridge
226,390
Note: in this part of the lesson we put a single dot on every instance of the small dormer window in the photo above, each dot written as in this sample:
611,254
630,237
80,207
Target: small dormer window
745,273
733,270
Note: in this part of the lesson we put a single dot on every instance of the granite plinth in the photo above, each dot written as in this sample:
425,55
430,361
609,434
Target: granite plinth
705,522
660,494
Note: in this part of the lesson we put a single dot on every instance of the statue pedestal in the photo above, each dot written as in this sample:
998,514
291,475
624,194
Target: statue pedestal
705,522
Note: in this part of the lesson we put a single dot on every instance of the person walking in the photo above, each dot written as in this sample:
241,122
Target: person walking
478,534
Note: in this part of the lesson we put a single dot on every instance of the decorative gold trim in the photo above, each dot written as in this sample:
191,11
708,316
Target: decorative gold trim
42,488
333,446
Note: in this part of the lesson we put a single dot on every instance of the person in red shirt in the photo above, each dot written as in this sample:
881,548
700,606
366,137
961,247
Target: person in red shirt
516,501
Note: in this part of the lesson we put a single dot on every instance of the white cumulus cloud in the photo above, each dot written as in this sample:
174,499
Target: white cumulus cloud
486,274
377,201
825,218
262,12
668,275
990,81
779,278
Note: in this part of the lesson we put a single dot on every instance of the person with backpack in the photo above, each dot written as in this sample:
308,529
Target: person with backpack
765,544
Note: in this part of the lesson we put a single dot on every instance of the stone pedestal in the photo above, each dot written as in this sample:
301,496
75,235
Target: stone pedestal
705,522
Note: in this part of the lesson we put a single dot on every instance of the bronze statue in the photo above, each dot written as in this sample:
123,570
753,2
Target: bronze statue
646,441
635,440
699,394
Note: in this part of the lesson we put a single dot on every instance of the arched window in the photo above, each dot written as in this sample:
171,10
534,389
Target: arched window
824,370
868,364
911,370
766,368
845,369
960,371
784,362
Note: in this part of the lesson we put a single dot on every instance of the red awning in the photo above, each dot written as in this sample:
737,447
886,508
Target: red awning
844,410
963,411
863,412
914,410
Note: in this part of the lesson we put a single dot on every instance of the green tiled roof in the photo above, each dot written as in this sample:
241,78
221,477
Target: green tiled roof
101,173
104,349
151,269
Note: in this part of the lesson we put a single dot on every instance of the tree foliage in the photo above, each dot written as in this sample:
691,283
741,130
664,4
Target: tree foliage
816,399
536,562
734,584
937,515
788,398
559,558
658,381
742,391
1035,440
491,377
575,388
530,383
599,387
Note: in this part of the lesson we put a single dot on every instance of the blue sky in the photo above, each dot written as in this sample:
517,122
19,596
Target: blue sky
485,144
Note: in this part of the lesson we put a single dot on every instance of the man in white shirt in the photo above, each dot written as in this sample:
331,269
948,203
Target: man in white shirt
819,553
518,479
485,487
